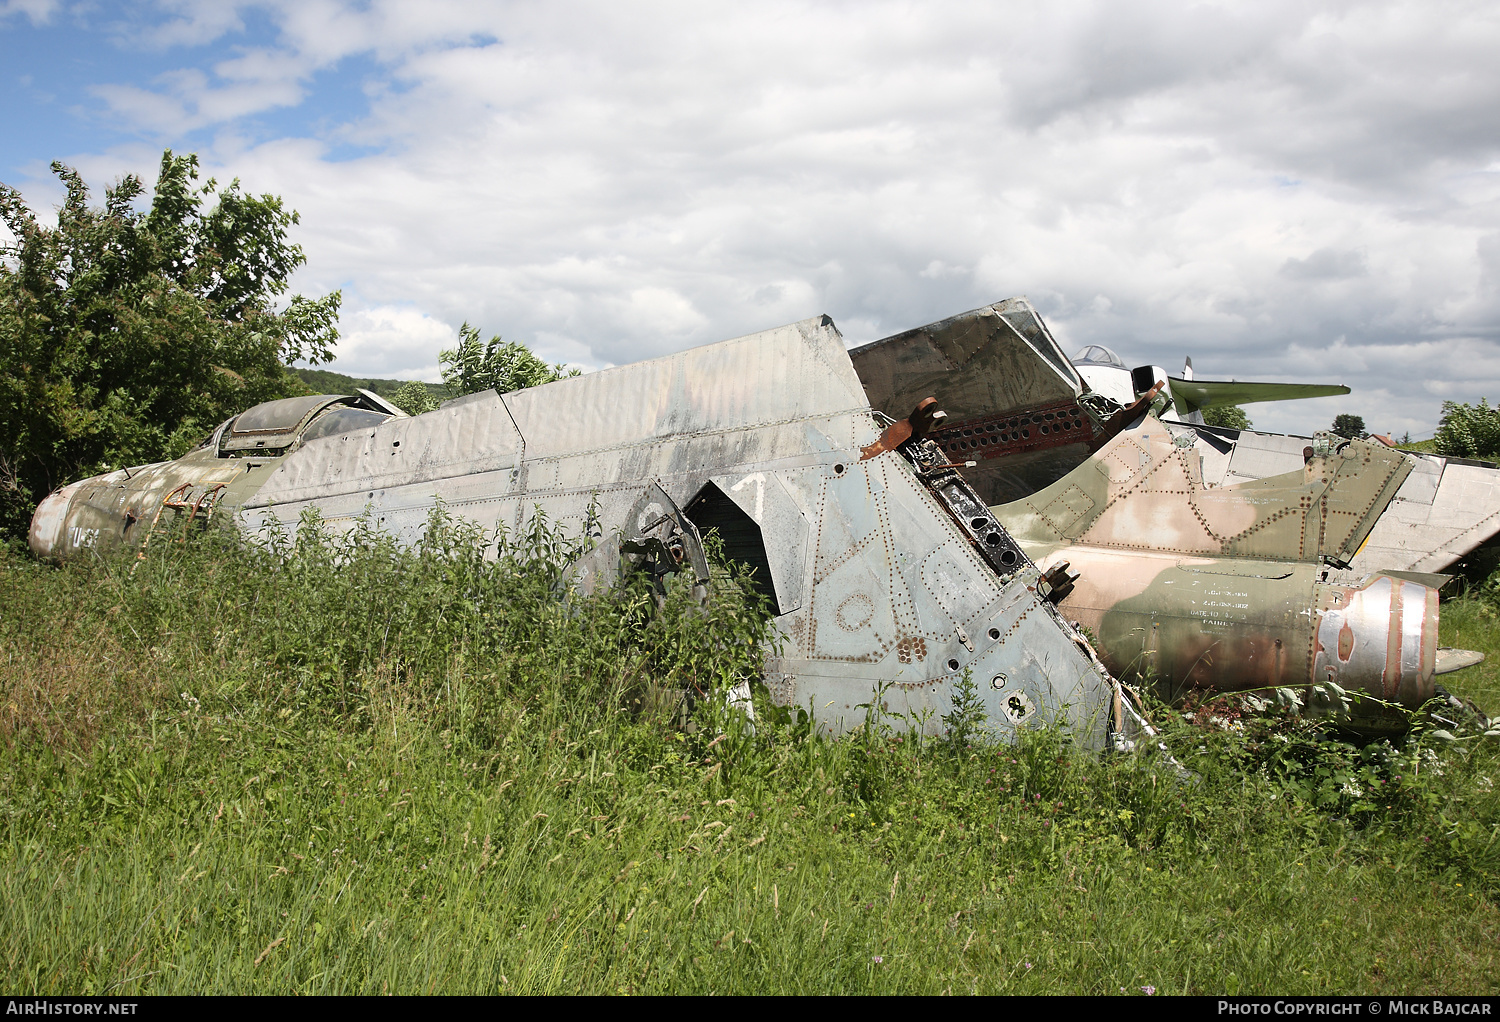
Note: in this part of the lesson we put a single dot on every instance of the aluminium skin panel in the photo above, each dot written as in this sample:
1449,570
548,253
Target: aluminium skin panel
1444,510
882,593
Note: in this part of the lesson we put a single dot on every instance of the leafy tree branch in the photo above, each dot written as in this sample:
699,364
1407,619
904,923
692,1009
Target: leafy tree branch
125,335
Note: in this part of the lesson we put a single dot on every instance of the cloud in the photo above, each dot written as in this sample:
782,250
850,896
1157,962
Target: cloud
395,342
1294,191
38,12
1326,264
188,23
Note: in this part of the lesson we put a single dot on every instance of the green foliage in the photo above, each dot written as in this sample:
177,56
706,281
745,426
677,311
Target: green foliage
125,336
1350,427
966,721
323,381
1226,416
414,398
477,365
332,766
1468,431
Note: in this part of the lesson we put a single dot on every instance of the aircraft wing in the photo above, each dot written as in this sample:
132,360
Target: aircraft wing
998,360
1011,395
1191,395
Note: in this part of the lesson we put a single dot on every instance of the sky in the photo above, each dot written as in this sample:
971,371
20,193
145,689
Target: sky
1304,192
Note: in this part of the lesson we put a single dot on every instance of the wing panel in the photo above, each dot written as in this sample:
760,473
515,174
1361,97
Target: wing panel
776,376
976,364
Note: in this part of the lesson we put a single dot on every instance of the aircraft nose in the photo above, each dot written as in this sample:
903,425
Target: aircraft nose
1380,638
48,522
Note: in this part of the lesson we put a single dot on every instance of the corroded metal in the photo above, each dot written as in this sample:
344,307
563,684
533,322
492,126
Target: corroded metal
1223,588
890,576
1001,436
999,373
989,369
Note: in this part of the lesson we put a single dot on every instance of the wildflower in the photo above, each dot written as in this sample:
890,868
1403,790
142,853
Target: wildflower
1149,991
877,959
1028,965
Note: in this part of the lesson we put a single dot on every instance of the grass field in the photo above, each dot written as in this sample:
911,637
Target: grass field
353,770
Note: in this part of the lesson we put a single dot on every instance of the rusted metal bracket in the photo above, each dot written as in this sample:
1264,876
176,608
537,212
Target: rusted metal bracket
998,436
1058,583
922,420
198,508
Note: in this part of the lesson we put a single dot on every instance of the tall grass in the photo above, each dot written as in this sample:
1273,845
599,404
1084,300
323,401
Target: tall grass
333,766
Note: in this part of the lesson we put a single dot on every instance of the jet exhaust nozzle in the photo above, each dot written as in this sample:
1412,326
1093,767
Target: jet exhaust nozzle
1381,638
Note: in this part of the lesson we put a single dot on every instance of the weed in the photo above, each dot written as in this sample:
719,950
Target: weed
328,765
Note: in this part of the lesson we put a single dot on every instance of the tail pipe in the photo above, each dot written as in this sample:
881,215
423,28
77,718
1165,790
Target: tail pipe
1380,638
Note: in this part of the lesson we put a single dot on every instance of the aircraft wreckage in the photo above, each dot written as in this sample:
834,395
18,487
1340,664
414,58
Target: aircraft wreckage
884,571
1205,557
887,567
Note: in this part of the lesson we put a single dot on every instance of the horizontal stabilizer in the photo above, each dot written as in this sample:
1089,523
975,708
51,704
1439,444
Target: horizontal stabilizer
1450,659
1143,490
1191,395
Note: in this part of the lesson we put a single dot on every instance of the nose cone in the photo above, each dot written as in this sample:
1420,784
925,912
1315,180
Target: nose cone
49,521
1380,638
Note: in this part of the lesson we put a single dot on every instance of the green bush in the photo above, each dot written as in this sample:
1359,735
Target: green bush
1468,431
127,335
1226,416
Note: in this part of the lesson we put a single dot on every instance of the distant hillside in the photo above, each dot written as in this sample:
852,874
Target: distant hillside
324,382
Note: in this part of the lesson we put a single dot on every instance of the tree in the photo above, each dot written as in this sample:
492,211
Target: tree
414,398
491,365
126,335
1468,431
1350,427
1227,416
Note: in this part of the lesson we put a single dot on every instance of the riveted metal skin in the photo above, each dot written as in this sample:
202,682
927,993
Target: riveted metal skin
1223,588
885,585
1027,416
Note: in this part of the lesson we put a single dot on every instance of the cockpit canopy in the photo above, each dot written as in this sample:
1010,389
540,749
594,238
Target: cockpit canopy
275,427
1098,355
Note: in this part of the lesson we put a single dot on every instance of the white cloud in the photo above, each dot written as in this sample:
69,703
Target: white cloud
188,23
38,12
1286,191
393,342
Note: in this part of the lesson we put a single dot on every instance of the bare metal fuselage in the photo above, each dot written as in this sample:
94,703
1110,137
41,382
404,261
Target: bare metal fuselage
880,589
